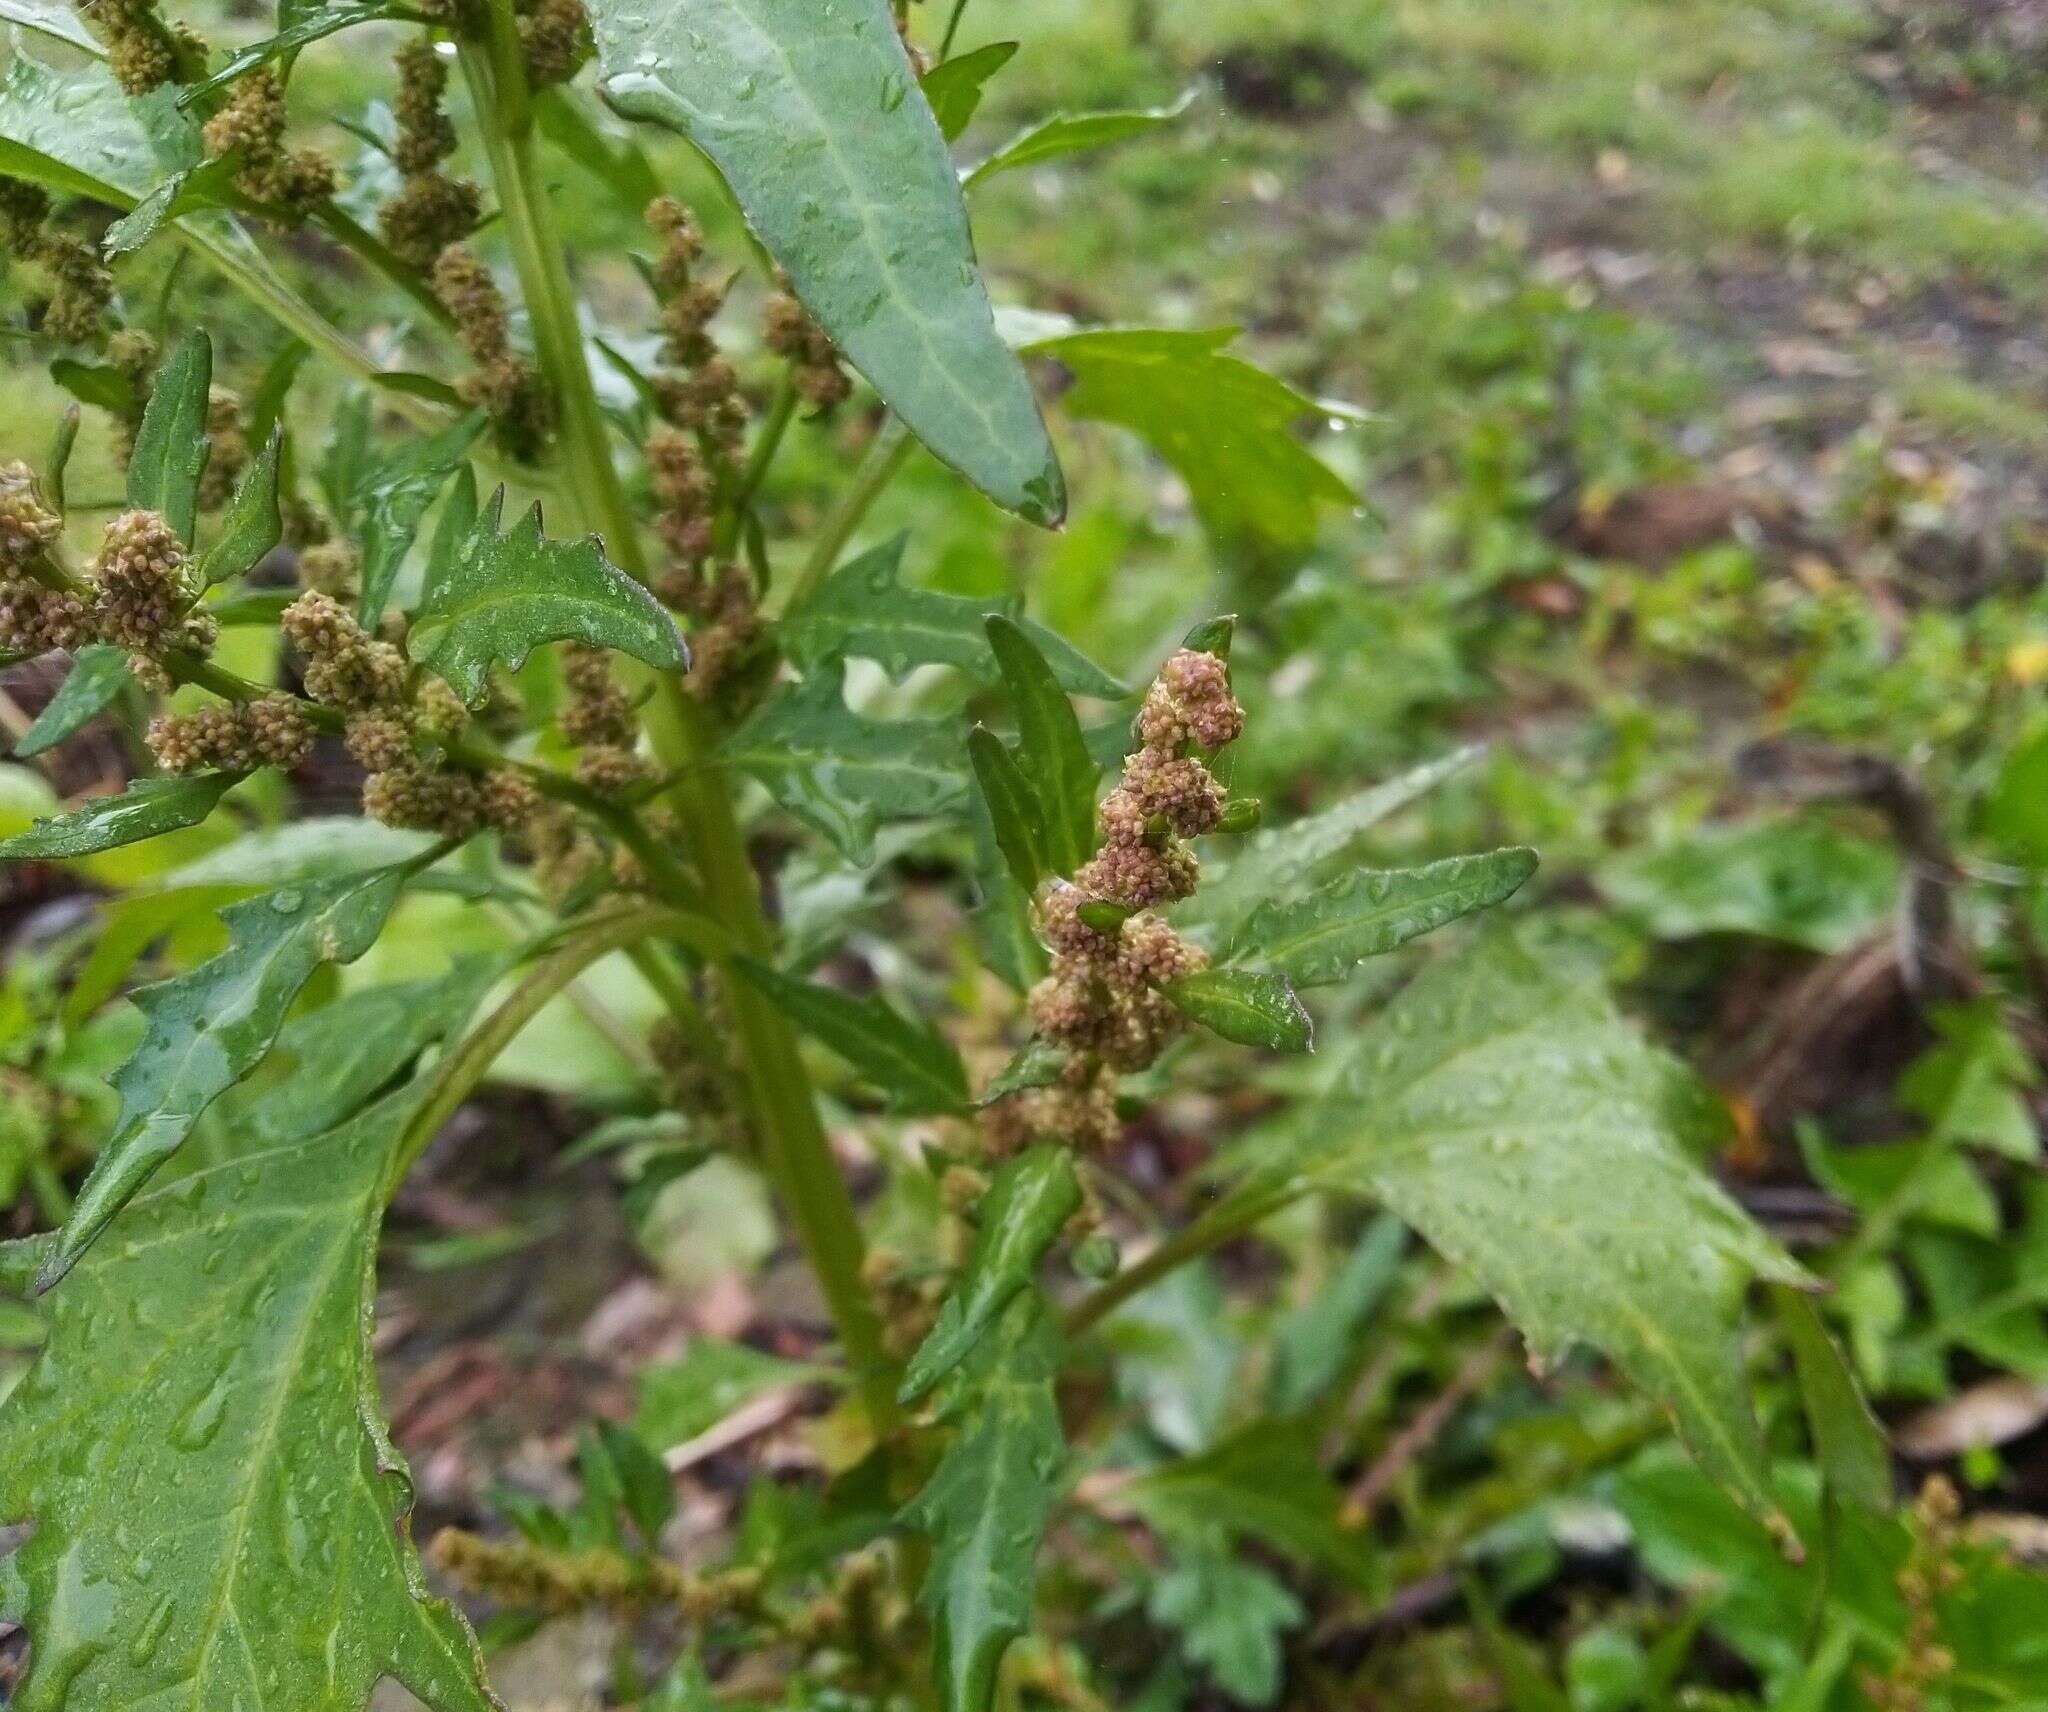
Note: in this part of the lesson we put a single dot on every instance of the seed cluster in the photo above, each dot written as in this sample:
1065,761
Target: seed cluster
1102,1000
431,209
700,391
503,383
142,592
293,181
555,38
34,617
81,286
227,448
814,367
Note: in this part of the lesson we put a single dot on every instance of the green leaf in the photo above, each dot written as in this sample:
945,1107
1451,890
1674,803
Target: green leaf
309,24
1037,1064
1799,881
1065,133
500,596
915,1067
986,1505
1509,1115
1225,426
253,524
48,18
219,1517
1230,1617
680,1399
1012,805
620,164
171,446
208,1028
1848,1443
76,133
386,500
1972,1085
1278,862
1020,1217
1251,1009
815,120
97,384
1262,1483
1324,936
209,184
863,609
1052,754
845,774
1310,1345
98,675
144,809
953,88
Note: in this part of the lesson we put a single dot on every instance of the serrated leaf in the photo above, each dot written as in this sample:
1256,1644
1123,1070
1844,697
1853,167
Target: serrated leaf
208,1028
1230,1617
985,1506
385,499
310,24
1281,860
864,609
845,774
171,446
814,118
1226,427
1250,1008
1066,133
1848,1443
198,1446
98,675
146,808
1262,1483
253,524
1322,937
1051,752
953,88
1012,806
1510,1116
500,596
1020,1217
916,1067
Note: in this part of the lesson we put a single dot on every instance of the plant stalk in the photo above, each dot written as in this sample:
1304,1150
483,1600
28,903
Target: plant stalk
794,1146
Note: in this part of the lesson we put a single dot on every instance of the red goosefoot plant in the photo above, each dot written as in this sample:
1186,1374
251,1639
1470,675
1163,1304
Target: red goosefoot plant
619,716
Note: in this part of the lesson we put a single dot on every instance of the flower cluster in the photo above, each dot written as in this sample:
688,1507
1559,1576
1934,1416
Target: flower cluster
227,448
814,368
34,616
1101,1000
597,716
503,383
271,731
141,591
430,210
555,39
294,181
699,397
81,287
142,50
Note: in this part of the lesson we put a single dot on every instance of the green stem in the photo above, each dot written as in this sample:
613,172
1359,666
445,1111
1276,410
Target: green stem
794,1147
885,457
1223,1223
458,1074
763,454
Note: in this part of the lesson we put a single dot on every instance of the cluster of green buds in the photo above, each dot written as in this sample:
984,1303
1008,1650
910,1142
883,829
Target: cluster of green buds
292,182
430,209
270,731
597,716
80,286
504,383
1102,998
137,594
143,51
